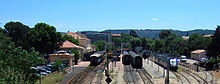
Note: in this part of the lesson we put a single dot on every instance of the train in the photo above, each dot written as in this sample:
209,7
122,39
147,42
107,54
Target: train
163,59
136,60
126,58
96,58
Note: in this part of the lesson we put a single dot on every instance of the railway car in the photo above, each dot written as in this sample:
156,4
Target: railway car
96,58
163,59
136,60
126,58
173,64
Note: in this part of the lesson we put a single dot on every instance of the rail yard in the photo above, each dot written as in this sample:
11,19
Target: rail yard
131,70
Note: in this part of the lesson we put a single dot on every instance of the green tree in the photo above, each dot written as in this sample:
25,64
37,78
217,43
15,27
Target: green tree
214,48
44,38
196,41
117,42
164,34
2,30
15,63
143,43
157,45
135,42
133,33
149,41
187,33
71,39
100,45
124,38
177,45
74,51
18,32
56,64
77,55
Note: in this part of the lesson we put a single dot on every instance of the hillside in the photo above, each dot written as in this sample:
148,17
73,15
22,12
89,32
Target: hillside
150,33
154,33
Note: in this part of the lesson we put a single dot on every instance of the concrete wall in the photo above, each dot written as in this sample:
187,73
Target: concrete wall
63,57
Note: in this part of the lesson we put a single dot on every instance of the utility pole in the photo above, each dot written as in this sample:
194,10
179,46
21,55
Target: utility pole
168,68
109,56
40,77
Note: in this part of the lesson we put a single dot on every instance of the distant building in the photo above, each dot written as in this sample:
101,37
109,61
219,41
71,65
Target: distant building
198,54
209,35
185,37
67,45
98,36
83,40
116,35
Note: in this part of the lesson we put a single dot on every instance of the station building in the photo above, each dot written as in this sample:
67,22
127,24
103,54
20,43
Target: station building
66,58
198,54
64,55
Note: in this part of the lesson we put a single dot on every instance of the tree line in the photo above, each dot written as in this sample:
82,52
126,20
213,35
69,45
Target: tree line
22,47
169,42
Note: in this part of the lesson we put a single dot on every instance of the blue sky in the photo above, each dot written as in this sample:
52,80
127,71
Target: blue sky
81,15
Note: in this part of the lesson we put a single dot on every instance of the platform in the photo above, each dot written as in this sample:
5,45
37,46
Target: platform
155,70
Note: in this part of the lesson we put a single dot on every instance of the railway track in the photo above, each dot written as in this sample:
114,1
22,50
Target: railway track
194,76
209,78
182,78
78,77
136,76
86,74
96,74
128,71
185,75
144,76
198,78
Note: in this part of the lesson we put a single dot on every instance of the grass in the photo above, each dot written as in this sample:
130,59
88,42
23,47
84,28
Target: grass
111,71
179,68
52,78
113,76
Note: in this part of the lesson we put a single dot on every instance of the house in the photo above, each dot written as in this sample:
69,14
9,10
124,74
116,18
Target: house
67,45
198,54
83,40
116,35
208,35
66,58
185,37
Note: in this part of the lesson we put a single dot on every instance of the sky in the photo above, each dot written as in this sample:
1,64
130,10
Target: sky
99,15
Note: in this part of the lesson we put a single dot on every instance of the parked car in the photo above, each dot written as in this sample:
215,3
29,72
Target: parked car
47,68
61,66
183,58
43,73
44,70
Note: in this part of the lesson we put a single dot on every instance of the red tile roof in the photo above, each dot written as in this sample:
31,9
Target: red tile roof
75,35
198,51
68,44
116,34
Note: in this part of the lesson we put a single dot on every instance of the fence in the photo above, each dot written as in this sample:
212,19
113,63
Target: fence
192,66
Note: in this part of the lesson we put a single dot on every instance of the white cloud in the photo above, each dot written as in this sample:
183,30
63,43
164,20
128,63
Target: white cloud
154,19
